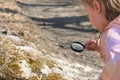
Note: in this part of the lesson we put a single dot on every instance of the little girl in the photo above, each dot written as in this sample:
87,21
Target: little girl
105,16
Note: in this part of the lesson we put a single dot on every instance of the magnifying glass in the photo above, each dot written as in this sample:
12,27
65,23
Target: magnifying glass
77,46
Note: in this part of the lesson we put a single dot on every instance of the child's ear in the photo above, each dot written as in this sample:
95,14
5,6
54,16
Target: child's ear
97,6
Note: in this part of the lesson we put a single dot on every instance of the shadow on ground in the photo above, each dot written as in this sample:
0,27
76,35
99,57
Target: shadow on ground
45,5
7,10
61,22
64,22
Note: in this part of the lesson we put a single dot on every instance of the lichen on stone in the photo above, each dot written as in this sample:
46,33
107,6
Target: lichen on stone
35,64
2,60
14,67
49,63
53,76
33,78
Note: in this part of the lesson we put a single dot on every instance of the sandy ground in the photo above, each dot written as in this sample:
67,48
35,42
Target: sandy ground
62,22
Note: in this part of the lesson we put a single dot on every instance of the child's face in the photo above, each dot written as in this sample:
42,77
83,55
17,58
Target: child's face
96,14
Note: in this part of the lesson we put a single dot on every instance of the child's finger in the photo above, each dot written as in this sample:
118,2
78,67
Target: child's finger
90,47
90,42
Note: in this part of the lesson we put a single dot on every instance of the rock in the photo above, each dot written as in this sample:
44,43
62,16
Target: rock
45,70
29,49
88,69
25,68
15,38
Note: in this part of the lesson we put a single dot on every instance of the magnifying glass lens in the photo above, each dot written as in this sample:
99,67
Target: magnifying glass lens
77,46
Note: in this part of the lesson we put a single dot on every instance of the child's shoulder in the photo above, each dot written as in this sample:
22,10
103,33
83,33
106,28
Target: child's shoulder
112,33
114,29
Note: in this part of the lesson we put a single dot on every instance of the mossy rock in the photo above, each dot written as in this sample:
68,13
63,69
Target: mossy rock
35,64
14,67
53,76
49,63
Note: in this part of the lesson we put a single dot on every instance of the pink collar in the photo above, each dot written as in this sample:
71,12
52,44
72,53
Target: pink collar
116,21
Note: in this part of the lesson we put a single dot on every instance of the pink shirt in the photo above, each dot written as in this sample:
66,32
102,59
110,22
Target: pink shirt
110,50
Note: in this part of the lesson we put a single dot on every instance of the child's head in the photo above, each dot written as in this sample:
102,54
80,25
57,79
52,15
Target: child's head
105,9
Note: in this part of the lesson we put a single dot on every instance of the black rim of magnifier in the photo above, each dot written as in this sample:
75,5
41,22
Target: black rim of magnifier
76,49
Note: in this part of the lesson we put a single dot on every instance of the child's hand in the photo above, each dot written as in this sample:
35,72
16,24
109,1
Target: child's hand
91,45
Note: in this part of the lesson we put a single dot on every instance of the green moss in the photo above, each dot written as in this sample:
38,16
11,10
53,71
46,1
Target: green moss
49,63
14,67
44,77
33,78
53,76
20,57
1,61
35,64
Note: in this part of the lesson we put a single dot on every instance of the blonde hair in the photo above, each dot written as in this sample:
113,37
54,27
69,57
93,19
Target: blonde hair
112,8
